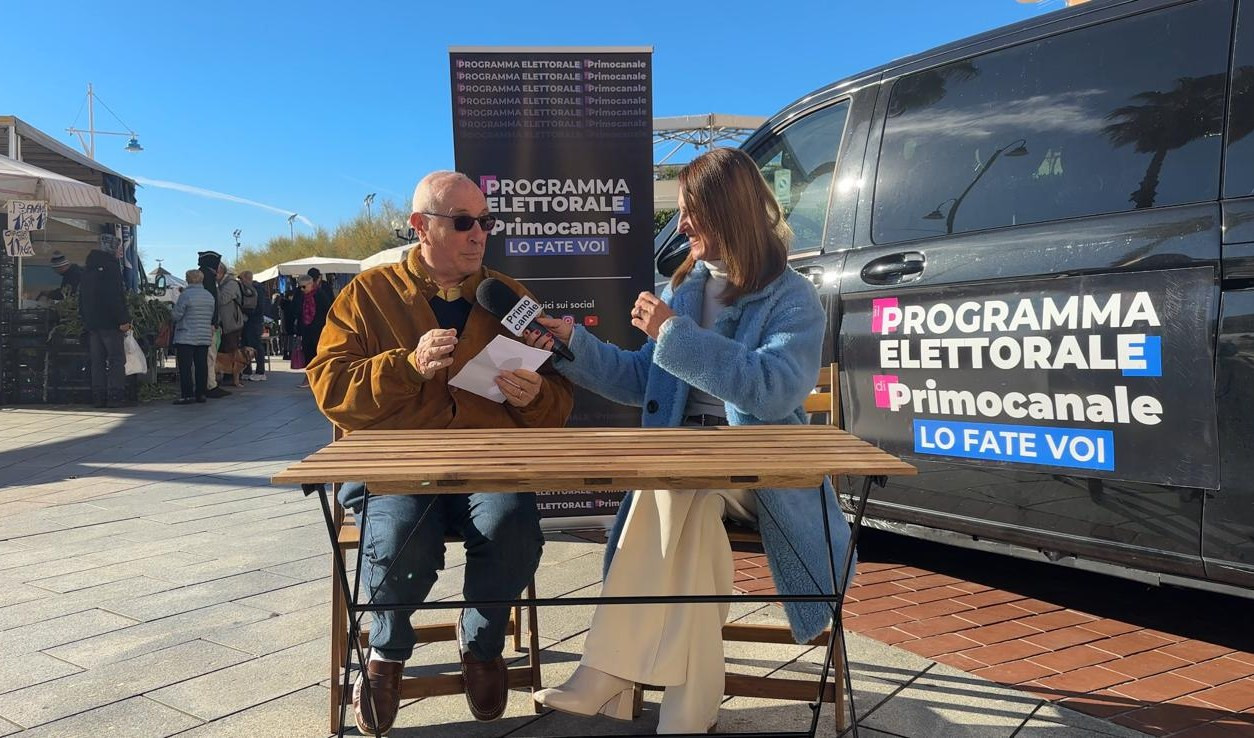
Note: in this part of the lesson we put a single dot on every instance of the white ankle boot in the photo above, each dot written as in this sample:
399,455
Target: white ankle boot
588,692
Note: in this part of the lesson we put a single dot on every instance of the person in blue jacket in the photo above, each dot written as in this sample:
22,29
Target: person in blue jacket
735,339
193,332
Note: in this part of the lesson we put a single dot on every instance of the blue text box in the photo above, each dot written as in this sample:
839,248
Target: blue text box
572,246
1025,444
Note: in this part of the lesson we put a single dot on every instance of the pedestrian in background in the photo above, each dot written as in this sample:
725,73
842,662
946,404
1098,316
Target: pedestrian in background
291,303
102,305
210,263
71,277
193,332
255,303
230,312
311,316
321,284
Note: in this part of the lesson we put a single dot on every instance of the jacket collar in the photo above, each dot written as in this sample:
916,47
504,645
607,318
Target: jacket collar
427,288
690,293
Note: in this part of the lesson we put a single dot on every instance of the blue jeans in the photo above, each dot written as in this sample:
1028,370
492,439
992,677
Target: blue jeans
503,544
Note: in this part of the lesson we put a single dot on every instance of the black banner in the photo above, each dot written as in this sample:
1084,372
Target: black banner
1106,376
560,142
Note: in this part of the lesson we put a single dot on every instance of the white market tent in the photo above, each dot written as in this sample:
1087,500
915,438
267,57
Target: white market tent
324,264
394,255
66,197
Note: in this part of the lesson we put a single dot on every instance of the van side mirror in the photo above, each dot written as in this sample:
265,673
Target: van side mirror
671,255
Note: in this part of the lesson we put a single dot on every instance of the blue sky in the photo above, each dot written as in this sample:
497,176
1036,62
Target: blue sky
308,106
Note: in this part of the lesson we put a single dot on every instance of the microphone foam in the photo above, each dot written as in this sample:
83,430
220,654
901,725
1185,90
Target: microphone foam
496,297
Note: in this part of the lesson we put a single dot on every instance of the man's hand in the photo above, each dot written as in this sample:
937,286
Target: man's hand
434,351
520,386
124,327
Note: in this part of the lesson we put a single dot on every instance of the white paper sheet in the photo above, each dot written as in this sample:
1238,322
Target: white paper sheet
480,373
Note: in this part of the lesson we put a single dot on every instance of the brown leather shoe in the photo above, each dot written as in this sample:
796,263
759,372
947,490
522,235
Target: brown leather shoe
385,694
486,682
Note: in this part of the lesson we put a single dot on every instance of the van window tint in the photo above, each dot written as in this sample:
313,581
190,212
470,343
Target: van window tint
799,163
1115,117
1239,167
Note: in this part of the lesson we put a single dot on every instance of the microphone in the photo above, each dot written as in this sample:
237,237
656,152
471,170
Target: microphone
517,313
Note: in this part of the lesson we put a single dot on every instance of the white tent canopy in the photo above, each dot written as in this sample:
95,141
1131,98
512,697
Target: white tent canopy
394,255
65,196
324,264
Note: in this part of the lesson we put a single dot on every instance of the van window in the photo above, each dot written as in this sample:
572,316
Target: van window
799,163
1239,167
1115,117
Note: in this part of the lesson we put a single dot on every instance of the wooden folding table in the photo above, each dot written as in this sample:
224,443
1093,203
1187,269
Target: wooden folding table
591,459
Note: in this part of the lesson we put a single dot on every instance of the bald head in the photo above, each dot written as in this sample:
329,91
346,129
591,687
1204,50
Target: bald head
440,201
433,191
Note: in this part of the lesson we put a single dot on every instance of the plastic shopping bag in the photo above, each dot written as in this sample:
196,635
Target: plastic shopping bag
135,361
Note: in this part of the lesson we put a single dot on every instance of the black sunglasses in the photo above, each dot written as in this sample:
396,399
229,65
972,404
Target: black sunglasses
466,222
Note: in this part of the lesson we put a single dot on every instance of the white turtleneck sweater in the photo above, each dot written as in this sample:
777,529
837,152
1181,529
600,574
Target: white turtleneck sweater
702,402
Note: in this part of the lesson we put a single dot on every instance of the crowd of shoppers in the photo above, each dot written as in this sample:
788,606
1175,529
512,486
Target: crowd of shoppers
220,327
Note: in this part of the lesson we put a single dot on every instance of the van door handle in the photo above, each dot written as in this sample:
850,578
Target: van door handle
814,273
895,268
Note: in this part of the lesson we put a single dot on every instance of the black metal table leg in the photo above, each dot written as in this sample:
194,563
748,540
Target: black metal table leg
356,610
839,587
355,613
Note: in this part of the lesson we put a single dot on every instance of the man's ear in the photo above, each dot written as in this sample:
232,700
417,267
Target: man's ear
418,223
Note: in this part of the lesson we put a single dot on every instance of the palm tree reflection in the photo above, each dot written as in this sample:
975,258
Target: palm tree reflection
1166,121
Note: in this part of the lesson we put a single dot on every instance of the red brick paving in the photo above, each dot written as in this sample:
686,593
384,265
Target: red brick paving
1147,679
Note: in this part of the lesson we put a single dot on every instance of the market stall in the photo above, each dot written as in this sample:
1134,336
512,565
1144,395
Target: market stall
48,215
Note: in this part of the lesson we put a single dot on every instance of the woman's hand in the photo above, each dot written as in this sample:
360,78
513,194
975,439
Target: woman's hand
650,313
559,328
520,386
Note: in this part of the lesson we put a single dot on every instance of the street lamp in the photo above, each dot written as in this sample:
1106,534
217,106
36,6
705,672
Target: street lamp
236,234
1014,148
291,227
89,143
369,201
936,213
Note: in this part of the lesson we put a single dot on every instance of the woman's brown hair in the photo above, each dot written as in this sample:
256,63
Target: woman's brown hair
727,198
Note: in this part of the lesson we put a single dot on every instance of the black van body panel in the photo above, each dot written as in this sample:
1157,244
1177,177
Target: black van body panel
1228,523
1143,526
1238,238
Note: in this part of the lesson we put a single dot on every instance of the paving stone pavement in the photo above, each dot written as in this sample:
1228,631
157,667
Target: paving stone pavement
153,583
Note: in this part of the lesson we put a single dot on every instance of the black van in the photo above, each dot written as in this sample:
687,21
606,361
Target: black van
1037,251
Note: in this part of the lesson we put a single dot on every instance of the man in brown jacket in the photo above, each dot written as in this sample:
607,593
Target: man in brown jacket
393,338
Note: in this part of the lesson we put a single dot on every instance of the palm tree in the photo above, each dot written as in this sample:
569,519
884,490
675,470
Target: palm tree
1165,121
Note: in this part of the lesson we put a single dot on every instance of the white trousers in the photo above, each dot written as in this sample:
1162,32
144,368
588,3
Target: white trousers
673,543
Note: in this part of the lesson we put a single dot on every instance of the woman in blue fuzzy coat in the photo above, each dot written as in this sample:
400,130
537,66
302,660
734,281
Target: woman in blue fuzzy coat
736,339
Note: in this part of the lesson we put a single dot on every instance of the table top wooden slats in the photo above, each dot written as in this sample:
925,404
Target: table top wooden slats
551,459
